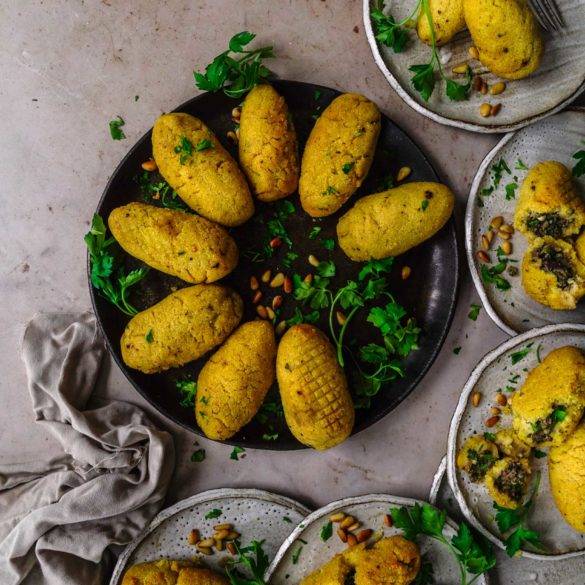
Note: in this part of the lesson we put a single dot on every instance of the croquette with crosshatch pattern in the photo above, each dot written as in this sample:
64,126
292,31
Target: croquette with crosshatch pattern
170,572
317,404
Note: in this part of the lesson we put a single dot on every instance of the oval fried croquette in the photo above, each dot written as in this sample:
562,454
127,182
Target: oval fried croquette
390,223
338,154
507,481
233,383
506,35
317,404
169,572
268,144
448,20
551,402
184,245
549,204
180,328
476,456
552,274
566,471
200,170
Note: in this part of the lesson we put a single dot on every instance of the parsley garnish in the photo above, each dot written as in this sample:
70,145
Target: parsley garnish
158,192
236,76
474,554
388,31
203,144
518,356
329,244
489,437
579,168
520,166
424,204
330,190
184,149
327,531
298,317
296,555
315,231
511,191
214,513
289,258
287,519
112,283
237,451
254,559
116,131
187,391
474,311
149,336
268,437
457,350
198,456
347,167
493,274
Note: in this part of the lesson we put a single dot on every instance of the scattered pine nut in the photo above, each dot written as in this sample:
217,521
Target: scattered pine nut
507,247
257,297
262,312
313,260
364,535
221,534
288,284
477,83
205,550
473,52
342,534
270,313
354,526
341,318
476,398
378,535
388,520
219,544
149,165
347,521
485,110
482,256
193,537
337,517
236,114
231,547
484,87
492,421
277,281
501,399
275,242
308,279
276,301
490,236
504,235
232,136
485,243
233,535
280,328
507,228
461,69
405,272
266,276
351,540
496,222
497,88
496,109
403,173
254,284
495,411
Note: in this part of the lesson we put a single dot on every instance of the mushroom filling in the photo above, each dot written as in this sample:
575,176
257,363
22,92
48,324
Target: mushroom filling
512,481
547,224
543,427
481,462
554,261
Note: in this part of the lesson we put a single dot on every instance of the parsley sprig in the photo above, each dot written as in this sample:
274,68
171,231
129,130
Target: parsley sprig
111,281
474,554
156,191
507,518
236,76
579,167
251,557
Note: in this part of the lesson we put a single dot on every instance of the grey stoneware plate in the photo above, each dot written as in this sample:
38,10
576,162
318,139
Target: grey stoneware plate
429,294
290,566
497,371
256,514
556,138
519,570
558,81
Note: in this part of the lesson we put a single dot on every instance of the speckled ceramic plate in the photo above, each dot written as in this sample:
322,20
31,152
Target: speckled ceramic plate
556,138
496,371
290,565
256,514
558,81
519,570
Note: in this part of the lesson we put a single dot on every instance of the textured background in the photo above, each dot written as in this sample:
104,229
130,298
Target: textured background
67,68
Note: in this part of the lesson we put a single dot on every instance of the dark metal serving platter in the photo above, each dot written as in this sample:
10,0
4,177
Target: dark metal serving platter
429,294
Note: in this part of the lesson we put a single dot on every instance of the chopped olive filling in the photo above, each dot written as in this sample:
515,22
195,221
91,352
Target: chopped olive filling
350,578
554,261
512,481
481,462
542,429
547,224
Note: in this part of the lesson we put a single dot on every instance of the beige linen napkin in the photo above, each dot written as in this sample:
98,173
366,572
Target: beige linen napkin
61,520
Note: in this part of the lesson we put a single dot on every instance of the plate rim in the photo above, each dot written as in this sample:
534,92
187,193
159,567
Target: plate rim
343,503
488,359
203,497
451,225
444,120
469,212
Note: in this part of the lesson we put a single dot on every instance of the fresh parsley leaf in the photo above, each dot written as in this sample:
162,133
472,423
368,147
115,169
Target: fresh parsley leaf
489,437
559,414
236,452
347,167
298,317
376,268
239,41
457,350
187,391
459,92
539,454
203,144
518,356
425,575
214,513
116,131
511,191
317,293
474,311
287,519
399,338
289,258
424,204
388,32
296,554
331,190
520,166
492,275
253,558
315,231
520,538
579,167
329,244
270,437
198,456
423,79
474,553
327,531
326,269
157,191
149,336
184,149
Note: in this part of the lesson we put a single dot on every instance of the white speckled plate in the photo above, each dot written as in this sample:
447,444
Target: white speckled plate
369,510
556,138
496,371
519,570
256,514
558,81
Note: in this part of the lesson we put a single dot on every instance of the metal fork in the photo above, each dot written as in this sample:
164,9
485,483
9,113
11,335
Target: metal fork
548,14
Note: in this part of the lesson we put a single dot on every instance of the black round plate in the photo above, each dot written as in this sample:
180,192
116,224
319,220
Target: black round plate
429,294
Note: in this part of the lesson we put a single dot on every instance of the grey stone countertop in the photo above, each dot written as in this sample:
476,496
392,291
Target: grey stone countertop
67,68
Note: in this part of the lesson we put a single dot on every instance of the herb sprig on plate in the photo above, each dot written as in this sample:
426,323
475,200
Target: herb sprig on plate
251,557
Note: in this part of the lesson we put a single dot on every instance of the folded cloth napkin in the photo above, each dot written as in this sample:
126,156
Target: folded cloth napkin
61,519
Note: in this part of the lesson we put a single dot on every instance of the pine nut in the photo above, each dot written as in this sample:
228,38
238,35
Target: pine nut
405,272
473,52
496,109
205,550
347,521
504,235
218,544
496,222
364,535
257,297
149,165
507,228
484,87
476,398
351,540
482,256
288,284
498,88
266,276
277,281
337,517
490,236
308,279
275,242
354,526
254,284
477,83
378,535
485,110
342,535
341,318
233,535
403,173
232,136
460,69
280,328
262,313
501,399
193,537
492,421
236,114
507,247
313,261
270,313
495,411
221,534
206,543
231,547
388,520
276,301
485,243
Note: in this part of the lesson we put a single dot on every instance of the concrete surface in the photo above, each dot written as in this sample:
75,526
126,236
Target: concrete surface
68,67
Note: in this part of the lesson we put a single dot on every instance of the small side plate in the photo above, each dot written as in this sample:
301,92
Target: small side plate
290,566
496,371
256,514
556,138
